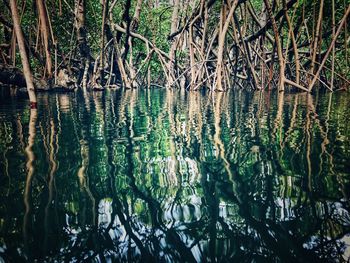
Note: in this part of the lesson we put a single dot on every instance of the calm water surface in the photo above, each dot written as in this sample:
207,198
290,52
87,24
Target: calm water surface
161,176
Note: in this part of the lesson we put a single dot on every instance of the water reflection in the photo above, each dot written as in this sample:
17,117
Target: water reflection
30,170
162,175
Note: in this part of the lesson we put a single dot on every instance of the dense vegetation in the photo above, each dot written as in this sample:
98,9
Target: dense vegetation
166,175
215,44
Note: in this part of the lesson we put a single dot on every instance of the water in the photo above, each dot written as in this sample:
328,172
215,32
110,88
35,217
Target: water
154,175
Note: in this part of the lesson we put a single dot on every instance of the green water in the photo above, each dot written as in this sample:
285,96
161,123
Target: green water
161,176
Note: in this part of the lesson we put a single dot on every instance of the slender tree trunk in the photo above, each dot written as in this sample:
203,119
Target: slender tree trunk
84,48
191,43
24,57
224,27
278,45
127,20
133,27
203,40
333,49
102,54
245,49
294,44
174,22
316,38
342,22
44,27
136,19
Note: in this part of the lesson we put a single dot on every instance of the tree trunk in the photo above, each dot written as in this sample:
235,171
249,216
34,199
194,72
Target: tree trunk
133,27
317,74
174,21
44,27
278,45
294,44
102,54
136,19
24,57
333,49
316,39
84,48
225,23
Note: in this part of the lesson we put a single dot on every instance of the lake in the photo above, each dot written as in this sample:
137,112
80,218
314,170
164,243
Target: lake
174,176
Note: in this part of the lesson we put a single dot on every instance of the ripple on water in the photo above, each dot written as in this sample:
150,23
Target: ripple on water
171,176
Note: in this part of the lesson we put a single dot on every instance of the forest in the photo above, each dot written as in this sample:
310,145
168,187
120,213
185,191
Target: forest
215,45
175,131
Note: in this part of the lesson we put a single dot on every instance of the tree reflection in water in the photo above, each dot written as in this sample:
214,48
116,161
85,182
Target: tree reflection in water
155,175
